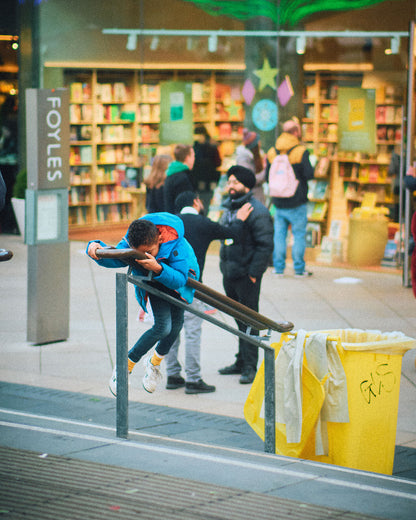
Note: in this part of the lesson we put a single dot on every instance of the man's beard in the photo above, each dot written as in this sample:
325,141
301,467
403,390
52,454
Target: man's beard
236,194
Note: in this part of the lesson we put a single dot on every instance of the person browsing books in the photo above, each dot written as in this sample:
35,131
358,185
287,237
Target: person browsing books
291,211
178,175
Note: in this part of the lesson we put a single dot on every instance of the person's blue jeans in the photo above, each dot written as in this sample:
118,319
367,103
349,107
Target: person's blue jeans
297,218
168,322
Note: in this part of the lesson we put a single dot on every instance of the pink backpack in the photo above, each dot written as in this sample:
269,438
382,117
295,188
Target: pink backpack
282,179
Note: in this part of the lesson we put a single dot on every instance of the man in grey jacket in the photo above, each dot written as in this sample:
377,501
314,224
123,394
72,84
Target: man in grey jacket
243,262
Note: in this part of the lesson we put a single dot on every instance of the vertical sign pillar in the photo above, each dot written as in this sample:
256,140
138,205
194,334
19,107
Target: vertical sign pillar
47,128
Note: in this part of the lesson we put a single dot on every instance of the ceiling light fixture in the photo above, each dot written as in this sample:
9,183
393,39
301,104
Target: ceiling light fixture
131,42
394,46
213,43
300,44
154,44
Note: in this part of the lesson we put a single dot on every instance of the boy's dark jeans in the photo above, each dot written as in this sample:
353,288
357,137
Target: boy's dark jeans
168,322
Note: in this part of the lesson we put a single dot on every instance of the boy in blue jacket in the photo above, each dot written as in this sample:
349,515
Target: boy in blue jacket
172,260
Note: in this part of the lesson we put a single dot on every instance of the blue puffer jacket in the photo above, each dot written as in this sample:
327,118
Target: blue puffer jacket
176,256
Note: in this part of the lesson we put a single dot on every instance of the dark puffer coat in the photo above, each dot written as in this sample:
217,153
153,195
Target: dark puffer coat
250,255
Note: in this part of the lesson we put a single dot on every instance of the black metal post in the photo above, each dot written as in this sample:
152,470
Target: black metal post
269,402
121,355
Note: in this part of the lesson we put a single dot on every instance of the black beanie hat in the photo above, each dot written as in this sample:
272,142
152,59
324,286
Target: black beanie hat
243,175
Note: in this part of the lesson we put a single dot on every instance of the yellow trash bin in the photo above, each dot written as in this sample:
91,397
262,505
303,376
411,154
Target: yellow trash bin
372,364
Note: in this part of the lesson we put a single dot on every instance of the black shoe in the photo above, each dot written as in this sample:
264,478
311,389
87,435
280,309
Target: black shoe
174,382
232,369
198,388
247,376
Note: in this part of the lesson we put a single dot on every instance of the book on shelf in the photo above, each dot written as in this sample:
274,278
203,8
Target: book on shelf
149,113
115,133
390,114
200,112
80,175
200,92
120,92
393,93
390,258
329,112
80,92
78,215
311,91
128,112
373,173
331,250
85,154
144,113
224,130
148,133
349,170
86,113
380,114
307,131
322,167
78,194
316,210
76,94
223,93
81,133
350,191
313,234
75,113
114,153
310,111
150,93
318,189
104,92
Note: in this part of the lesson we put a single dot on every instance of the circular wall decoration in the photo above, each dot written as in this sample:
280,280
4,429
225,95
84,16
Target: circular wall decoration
265,115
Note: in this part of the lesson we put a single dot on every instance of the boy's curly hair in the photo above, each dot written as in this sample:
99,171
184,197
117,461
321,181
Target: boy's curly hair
142,232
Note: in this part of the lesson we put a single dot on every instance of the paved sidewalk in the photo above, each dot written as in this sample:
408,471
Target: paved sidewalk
333,298
84,362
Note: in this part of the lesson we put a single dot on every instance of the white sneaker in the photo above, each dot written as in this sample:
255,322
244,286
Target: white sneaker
152,376
112,384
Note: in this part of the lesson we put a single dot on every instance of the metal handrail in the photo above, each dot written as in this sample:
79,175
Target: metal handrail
5,255
227,305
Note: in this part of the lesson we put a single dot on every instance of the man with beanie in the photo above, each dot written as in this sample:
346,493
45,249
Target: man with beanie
248,154
200,231
291,210
178,175
243,262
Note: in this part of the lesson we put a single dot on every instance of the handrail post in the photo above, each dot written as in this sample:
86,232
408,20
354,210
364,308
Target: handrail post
121,355
269,402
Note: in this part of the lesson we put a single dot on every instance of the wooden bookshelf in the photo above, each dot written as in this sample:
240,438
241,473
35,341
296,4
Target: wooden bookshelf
351,175
114,124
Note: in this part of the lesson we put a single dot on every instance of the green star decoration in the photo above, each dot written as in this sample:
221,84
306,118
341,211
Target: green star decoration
266,75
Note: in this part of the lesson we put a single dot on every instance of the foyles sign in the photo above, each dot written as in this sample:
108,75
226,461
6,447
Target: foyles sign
47,141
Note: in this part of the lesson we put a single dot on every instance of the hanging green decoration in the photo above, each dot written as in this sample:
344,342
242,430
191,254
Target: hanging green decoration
281,12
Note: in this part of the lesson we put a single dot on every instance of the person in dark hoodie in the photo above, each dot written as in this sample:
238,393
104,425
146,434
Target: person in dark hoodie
244,261
291,210
178,175
207,161
160,236
200,231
